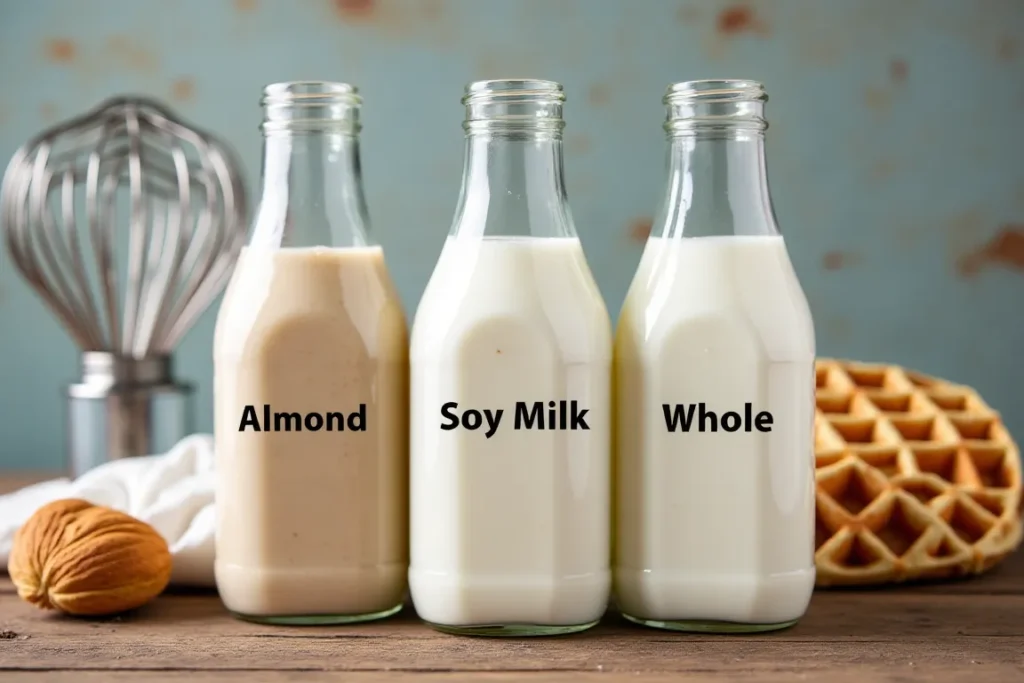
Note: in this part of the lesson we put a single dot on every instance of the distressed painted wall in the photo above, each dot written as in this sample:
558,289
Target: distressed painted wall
896,148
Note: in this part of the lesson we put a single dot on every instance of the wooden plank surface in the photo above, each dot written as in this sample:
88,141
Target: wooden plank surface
961,631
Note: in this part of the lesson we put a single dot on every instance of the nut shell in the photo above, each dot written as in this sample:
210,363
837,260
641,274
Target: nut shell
88,560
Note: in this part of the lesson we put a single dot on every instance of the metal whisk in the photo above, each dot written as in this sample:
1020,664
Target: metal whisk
128,186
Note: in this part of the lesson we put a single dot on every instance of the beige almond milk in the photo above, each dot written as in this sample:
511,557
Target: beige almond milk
312,515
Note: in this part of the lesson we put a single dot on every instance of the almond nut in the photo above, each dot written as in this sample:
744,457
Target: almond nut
88,560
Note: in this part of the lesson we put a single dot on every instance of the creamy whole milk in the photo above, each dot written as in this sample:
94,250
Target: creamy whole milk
715,382
714,354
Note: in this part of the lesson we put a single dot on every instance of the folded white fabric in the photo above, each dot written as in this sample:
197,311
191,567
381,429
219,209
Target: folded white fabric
173,492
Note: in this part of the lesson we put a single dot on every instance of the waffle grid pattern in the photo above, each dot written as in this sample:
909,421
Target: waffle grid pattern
917,478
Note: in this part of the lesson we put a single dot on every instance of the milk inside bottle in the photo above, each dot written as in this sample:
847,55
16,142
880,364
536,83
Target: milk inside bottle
715,385
311,385
510,406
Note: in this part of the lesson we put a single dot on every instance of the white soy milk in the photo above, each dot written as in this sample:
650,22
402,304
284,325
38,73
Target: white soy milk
715,516
510,437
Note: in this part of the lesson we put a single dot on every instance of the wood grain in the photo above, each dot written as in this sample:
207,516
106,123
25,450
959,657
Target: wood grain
960,631
979,673
833,616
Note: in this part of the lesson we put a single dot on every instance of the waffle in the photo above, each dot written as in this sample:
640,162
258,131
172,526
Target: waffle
917,478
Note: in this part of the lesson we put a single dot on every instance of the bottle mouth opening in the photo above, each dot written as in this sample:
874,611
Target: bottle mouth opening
514,89
310,92
310,105
514,104
715,106
716,90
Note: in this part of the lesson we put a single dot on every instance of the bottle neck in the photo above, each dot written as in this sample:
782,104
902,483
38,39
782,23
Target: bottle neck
312,192
513,185
717,186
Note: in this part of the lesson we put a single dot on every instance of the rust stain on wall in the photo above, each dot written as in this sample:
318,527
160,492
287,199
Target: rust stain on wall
399,19
739,19
183,89
354,10
640,229
60,50
898,70
598,94
838,260
129,53
1005,249
1007,49
246,5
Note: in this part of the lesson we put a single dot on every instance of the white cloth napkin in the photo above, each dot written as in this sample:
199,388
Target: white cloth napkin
173,492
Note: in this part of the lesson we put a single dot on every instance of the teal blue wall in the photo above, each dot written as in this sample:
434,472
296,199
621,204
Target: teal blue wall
896,149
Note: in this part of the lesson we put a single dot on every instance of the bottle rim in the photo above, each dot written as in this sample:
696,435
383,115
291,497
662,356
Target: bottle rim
513,89
310,107
514,106
310,92
715,108
716,90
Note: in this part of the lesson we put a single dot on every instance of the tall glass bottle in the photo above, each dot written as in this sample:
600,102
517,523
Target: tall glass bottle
311,385
510,404
715,389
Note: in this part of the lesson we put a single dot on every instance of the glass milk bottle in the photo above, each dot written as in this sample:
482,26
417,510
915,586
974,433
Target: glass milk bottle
510,404
715,389
311,385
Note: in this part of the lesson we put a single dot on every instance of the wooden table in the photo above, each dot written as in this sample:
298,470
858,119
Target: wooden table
963,631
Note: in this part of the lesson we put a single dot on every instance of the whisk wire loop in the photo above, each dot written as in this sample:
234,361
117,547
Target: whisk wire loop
126,186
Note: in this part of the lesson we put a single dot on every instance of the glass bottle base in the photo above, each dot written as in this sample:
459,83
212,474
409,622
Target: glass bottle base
512,630
707,626
319,619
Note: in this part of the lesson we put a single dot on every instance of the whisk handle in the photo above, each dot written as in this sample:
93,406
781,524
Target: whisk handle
125,407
